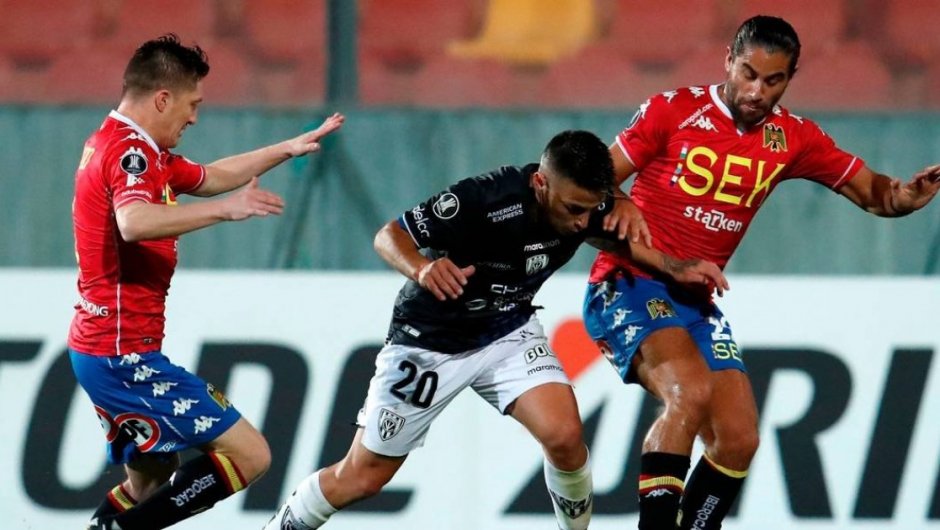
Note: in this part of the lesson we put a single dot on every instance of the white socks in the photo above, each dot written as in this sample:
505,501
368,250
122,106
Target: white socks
305,509
572,493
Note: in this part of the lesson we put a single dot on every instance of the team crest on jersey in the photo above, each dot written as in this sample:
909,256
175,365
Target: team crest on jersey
446,206
134,161
659,308
217,396
536,263
774,138
390,424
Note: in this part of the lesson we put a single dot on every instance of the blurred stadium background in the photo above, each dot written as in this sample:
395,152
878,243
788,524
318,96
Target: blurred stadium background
437,90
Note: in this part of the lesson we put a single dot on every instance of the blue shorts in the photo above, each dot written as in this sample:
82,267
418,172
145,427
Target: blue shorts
146,404
620,313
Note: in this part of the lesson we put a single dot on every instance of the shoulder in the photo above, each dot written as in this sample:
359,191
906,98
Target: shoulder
497,184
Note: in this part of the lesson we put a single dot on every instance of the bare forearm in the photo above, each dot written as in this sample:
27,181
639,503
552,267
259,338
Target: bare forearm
234,171
396,247
142,221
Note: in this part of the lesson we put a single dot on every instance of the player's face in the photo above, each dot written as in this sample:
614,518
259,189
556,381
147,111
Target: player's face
182,111
756,82
567,206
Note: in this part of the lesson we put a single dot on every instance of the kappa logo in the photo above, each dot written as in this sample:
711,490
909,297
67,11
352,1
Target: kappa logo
705,123
446,206
629,335
142,373
203,424
134,161
572,508
697,91
162,388
658,493
620,315
130,358
536,263
182,405
670,94
390,424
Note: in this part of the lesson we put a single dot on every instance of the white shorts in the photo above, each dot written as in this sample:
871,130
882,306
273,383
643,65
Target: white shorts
411,386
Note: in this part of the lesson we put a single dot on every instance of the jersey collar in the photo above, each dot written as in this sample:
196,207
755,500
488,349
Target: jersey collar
133,125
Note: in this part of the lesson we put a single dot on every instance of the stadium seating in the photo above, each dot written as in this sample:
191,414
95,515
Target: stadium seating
134,22
85,75
286,31
664,33
526,32
34,32
598,77
403,34
850,77
910,26
820,25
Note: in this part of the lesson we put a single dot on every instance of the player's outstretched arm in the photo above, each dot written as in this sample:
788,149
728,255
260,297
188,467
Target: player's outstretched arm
889,197
234,171
441,276
138,221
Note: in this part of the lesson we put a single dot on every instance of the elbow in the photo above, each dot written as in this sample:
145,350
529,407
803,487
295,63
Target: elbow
380,241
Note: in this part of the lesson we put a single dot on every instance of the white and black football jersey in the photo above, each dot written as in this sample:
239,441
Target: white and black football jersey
492,222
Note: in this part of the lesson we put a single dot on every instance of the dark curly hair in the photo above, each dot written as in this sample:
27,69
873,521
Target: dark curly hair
582,157
164,63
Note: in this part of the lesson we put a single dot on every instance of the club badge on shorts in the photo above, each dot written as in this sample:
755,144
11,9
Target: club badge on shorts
390,424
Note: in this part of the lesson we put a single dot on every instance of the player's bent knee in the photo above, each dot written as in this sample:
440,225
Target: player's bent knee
563,439
690,399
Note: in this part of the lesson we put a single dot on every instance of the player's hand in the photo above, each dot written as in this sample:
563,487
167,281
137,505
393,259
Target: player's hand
916,193
309,142
444,278
698,274
251,201
626,220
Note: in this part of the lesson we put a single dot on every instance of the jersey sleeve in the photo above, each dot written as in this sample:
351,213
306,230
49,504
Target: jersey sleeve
185,175
822,161
647,134
130,171
447,217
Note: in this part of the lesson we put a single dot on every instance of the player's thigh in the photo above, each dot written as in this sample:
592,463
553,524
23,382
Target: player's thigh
410,388
518,364
550,413
670,365
625,316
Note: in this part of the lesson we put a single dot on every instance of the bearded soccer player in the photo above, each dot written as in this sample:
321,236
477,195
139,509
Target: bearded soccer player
126,223
706,159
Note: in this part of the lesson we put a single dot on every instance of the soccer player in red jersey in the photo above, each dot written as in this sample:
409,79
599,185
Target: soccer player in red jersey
126,223
706,159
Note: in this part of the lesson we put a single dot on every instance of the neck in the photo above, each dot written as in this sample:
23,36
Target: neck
135,111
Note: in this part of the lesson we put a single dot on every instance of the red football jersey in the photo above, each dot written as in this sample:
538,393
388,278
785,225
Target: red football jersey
123,285
700,180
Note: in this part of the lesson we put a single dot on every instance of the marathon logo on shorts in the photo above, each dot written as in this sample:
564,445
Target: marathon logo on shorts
659,308
134,162
390,424
198,486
